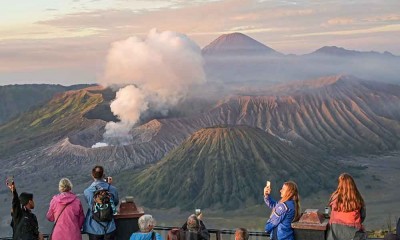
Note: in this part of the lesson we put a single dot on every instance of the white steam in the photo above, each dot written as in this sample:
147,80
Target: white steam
156,72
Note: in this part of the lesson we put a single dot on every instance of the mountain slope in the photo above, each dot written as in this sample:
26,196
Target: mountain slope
62,116
227,167
343,115
17,99
336,115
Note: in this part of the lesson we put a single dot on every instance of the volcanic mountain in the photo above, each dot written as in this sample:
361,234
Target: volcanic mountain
58,118
237,58
237,44
226,167
335,115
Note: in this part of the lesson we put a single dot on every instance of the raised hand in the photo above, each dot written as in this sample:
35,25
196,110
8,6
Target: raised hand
267,190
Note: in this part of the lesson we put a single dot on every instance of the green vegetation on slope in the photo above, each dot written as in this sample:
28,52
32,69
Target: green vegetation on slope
18,99
226,167
51,122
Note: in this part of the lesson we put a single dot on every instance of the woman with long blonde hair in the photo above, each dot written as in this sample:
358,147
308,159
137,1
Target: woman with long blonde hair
284,212
347,211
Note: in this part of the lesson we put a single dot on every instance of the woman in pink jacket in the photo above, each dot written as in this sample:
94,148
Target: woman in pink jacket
66,209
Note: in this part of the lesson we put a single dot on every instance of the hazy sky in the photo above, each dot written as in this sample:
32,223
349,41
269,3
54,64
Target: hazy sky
66,41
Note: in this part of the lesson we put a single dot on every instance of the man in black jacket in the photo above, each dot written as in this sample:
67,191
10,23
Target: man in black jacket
194,229
25,224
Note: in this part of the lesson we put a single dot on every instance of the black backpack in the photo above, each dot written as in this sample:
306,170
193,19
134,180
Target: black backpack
102,209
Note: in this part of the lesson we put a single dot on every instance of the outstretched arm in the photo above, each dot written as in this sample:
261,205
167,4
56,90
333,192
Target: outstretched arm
16,204
269,201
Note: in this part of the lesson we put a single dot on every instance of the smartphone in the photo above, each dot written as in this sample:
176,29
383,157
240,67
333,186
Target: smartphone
108,179
268,184
197,211
10,180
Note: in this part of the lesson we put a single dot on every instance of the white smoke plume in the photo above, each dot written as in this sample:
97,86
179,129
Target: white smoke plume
157,71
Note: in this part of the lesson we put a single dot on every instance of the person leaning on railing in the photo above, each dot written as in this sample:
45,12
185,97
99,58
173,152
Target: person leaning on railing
347,211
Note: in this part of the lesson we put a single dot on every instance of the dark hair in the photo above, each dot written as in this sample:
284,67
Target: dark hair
98,172
241,234
25,197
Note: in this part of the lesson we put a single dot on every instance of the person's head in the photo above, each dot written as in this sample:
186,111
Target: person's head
26,200
241,234
98,172
64,185
193,223
290,191
347,196
146,223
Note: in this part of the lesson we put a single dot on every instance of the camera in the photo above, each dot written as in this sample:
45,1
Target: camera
108,179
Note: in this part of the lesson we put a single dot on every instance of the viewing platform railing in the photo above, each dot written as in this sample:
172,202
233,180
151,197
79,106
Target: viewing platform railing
215,234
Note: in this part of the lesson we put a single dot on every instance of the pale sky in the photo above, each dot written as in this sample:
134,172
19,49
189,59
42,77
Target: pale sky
66,41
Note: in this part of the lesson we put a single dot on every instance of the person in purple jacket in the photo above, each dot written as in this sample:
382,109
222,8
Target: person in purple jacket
284,212
66,210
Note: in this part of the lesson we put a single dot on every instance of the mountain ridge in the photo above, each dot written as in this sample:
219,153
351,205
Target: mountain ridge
340,51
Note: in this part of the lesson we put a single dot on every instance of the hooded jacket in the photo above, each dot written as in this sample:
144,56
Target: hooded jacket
69,223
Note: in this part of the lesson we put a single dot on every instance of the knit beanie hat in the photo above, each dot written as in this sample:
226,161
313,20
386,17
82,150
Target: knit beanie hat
25,197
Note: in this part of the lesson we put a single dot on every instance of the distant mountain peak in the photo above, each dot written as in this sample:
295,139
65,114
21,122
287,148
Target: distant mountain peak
334,50
339,51
237,44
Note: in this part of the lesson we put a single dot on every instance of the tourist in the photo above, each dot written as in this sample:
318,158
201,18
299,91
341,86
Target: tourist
284,212
347,211
66,212
194,228
146,225
100,230
25,224
241,234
